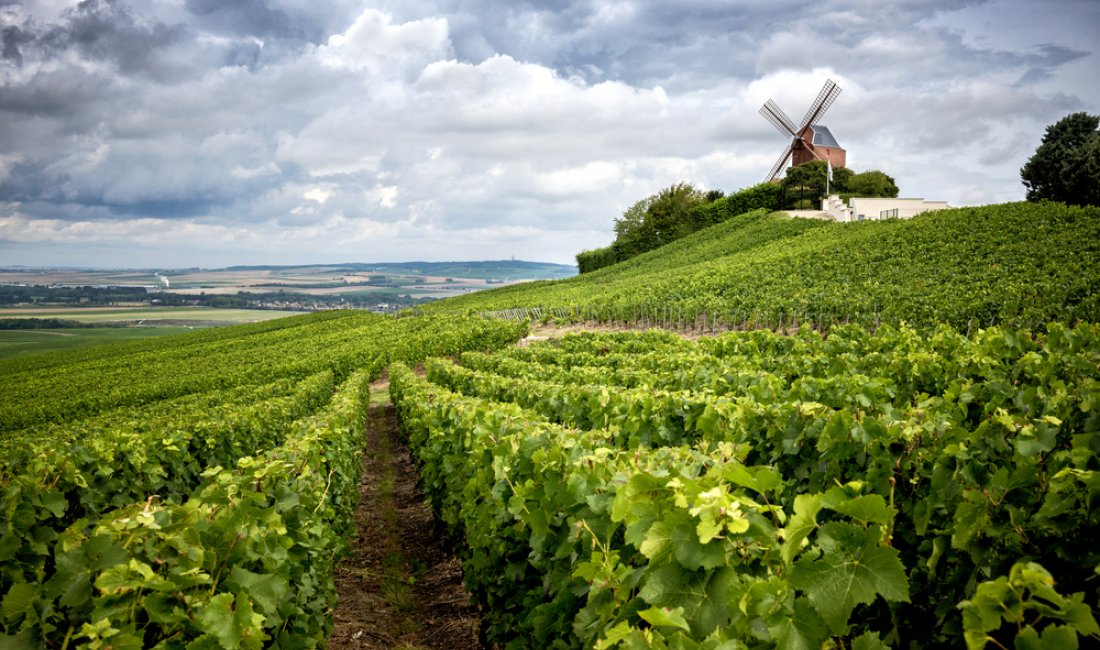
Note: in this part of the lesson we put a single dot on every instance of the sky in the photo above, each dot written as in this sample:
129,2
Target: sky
180,133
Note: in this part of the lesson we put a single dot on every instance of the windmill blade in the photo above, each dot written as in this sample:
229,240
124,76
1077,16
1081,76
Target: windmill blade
780,164
824,100
772,113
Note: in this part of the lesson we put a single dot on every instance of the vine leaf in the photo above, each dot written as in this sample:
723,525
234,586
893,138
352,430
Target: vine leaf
232,622
803,631
803,522
852,570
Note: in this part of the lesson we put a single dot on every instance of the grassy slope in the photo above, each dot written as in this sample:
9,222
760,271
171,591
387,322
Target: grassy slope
1017,262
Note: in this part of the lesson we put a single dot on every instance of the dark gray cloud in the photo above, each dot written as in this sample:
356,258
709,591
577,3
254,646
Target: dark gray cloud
1045,63
249,17
108,31
13,39
273,20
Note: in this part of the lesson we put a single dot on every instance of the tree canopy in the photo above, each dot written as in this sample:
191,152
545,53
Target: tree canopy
657,219
1066,166
872,183
672,213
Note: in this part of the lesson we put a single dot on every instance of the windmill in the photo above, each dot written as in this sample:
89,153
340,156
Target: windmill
810,141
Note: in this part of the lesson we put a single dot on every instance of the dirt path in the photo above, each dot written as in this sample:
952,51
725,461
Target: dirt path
398,587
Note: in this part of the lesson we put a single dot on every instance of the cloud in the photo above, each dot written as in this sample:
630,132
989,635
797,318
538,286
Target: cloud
295,131
107,31
375,44
1045,63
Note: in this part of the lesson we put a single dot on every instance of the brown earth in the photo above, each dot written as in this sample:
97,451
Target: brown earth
398,587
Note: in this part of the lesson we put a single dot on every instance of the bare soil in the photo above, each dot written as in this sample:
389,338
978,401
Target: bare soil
399,587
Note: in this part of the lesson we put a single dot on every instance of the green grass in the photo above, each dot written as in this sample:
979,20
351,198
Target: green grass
19,343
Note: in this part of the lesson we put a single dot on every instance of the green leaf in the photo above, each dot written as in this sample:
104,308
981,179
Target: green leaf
1034,441
663,617
265,589
55,502
615,635
658,541
1079,615
700,594
19,600
707,423
676,534
708,529
758,479
852,571
71,582
232,622
870,509
23,641
123,578
869,641
803,631
1054,637
802,523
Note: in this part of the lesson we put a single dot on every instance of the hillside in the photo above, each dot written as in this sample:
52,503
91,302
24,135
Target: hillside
866,487
1017,263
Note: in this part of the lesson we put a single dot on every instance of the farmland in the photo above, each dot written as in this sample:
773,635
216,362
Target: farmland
878,435
419,279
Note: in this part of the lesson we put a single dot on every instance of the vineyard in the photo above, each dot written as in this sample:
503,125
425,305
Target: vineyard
762,490
888,438
195,494
1014,264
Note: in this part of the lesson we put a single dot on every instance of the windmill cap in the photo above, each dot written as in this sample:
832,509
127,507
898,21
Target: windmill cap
823,137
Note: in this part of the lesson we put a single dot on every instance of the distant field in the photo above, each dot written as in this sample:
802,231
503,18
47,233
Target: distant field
18,343
109,314
417,279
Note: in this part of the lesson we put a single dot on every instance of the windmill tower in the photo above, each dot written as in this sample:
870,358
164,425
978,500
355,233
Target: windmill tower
810,141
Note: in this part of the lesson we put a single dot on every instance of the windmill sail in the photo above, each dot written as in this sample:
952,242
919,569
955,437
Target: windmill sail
806,143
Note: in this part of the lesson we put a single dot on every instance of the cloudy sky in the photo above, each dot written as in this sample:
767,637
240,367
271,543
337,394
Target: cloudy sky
173,133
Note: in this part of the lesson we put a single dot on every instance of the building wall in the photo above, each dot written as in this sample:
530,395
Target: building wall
837,156
872,209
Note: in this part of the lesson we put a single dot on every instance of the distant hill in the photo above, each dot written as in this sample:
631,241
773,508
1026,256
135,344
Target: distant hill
1017,263
485,270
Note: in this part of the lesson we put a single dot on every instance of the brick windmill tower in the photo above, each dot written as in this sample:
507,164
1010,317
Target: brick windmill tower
810,141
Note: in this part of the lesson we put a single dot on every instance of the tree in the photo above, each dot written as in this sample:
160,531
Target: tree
630,229
668,216
872,183
804,185
1066,166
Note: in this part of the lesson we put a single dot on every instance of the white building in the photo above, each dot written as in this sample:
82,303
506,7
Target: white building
869,209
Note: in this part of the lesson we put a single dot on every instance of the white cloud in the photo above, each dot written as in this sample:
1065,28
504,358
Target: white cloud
318,194
374,43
